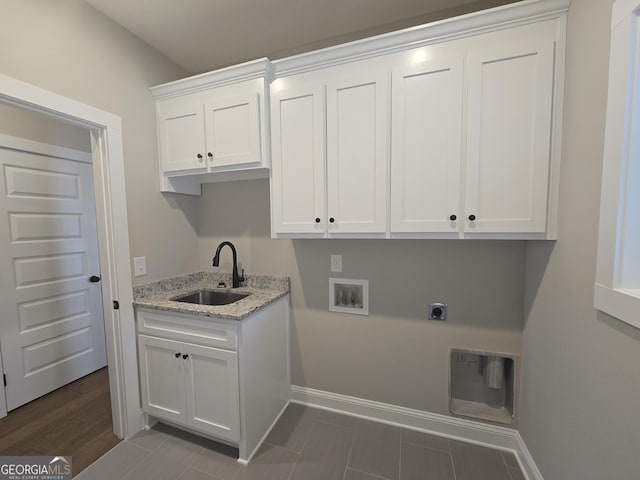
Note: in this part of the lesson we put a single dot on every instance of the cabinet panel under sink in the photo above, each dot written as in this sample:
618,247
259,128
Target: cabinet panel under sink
211,407
162,377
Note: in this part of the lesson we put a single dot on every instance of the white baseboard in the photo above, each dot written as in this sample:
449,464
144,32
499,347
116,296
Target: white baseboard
527,464
464,430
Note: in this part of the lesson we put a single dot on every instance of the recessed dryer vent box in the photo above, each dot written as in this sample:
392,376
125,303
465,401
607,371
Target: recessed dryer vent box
482,385
349,296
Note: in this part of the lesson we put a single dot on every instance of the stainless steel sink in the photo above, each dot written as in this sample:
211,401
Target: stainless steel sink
211,297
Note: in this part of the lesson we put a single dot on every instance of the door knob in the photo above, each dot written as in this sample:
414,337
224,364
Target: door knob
94,279
185,356
472,217
453,218
178,355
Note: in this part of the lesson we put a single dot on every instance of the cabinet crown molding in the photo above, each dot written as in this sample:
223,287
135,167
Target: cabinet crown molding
510,15
261,68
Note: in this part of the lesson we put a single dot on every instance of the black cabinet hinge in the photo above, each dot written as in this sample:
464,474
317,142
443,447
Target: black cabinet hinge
116,305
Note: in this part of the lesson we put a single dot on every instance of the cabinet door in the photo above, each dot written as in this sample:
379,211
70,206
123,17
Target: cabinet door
510,90
181,137
162,377
233,131
297,172
357,119
426,137
213,391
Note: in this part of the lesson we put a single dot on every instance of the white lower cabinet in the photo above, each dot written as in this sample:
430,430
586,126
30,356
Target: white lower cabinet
212,391
162,379
226,379
190,384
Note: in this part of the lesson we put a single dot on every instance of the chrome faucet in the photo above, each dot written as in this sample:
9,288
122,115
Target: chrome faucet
236,278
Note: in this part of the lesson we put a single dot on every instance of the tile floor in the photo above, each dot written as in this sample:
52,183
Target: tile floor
306,444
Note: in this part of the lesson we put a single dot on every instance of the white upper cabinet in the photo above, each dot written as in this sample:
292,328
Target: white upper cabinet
510,93
494,180
214,127
445,130
329,173
448,130
181,137
196,137
298,171
232,126
357,157
426,143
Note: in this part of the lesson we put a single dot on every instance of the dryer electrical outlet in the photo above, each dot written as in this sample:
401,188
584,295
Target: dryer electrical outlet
437,311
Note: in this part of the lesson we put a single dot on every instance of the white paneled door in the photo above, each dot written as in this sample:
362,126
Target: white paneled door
51,328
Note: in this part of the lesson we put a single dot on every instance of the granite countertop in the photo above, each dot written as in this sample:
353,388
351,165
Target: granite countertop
262,291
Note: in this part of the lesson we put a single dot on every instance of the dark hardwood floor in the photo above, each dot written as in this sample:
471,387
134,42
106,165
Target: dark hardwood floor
74,420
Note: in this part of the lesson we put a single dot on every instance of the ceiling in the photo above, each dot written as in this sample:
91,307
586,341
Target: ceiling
203,35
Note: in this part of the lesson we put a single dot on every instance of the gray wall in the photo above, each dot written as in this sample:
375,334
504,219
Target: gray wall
69,48
395,354
581,387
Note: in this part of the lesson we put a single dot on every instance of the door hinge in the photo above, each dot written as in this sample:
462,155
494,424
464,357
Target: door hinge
4,379
116,305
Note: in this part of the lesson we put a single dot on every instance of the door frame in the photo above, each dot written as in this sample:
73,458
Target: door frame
113,240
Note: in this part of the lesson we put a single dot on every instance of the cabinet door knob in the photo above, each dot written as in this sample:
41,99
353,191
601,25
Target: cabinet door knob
210,155
331,220
178,355
185,356
199,156
472,217
453,218
317,219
